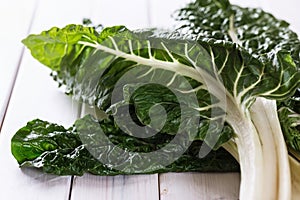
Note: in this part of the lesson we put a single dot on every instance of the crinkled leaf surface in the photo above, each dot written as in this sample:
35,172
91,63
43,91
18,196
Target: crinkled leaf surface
260,33
60,151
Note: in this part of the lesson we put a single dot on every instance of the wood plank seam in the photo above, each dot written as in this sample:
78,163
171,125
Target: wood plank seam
159,187
71,188
72,179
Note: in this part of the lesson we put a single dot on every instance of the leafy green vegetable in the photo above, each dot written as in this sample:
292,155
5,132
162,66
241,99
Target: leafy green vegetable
233,78
60,151
219,84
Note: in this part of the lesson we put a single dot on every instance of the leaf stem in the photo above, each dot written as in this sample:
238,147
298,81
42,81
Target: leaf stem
250,154
268,108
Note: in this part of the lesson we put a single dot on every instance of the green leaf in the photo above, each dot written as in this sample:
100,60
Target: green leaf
261,34
59,49
39,136
60,151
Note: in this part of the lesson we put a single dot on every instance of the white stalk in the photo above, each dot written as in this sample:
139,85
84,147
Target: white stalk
262,124
272,141
269,109
250,155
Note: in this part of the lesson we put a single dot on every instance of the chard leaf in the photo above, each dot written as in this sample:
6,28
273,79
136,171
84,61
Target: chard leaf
265,37
268,39
59,50
116,50
292,103
187,67
59,151
39,136
259,32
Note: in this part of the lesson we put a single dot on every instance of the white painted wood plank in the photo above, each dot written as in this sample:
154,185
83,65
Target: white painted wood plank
33,97
204,186
15,18
36,95
60,13
134,187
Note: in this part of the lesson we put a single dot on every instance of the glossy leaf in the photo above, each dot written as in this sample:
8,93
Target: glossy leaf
60,151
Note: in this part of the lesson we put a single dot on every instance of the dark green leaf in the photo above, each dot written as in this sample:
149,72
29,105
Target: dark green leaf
68,155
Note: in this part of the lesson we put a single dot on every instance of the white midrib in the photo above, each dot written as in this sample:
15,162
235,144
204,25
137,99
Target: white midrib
250,153
232,31
268,107
260,150
234,37
209,83
177,67
284,172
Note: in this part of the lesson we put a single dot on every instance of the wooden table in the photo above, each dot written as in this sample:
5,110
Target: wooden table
28,92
